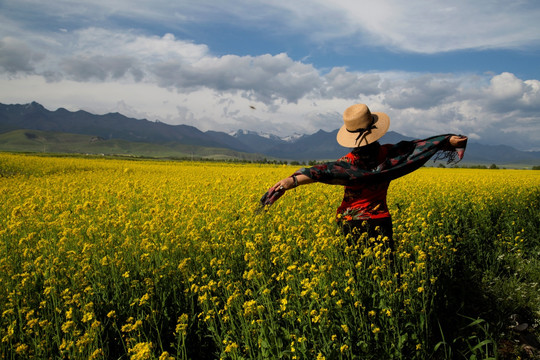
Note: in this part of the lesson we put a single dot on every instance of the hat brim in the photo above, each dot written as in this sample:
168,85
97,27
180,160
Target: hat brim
349,139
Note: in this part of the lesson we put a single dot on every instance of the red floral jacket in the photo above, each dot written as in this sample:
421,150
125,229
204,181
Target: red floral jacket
364,201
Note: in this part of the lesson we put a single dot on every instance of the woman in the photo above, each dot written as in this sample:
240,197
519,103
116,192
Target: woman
367,170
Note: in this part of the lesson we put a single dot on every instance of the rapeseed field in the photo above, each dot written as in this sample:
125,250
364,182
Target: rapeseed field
118,259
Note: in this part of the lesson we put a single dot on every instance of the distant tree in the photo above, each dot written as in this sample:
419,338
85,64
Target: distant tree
493,166
536,167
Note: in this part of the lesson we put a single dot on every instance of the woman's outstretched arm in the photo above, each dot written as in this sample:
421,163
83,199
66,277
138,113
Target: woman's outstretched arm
290,182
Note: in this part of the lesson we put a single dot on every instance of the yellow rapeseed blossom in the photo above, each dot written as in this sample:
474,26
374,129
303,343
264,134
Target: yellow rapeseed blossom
182,324
141,351
177,249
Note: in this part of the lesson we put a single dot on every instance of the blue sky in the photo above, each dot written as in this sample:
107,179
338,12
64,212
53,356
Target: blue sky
434,66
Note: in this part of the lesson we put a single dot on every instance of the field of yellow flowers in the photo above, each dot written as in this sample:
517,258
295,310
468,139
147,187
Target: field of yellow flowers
117,259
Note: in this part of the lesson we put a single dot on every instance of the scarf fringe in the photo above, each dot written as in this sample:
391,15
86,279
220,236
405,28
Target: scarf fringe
451,156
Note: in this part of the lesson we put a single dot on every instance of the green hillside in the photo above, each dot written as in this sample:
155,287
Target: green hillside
63,143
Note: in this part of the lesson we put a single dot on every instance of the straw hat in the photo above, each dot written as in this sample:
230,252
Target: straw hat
361,126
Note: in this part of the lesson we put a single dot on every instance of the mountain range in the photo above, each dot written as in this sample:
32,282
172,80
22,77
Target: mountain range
124,135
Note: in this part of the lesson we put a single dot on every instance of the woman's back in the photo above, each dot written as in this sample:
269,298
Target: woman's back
362,202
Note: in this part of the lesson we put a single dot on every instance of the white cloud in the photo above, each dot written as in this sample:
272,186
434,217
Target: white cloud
79,58
425,26
340,83
214,108
531,96
422,91
101,55
264,78
84,68
506,86
16,56
415,26
507,93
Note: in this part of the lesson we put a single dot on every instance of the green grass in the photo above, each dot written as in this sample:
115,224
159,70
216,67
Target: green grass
34,141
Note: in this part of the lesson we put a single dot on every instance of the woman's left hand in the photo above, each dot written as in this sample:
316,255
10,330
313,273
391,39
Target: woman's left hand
458,141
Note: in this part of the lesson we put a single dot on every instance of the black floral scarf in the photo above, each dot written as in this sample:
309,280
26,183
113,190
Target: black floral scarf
403,158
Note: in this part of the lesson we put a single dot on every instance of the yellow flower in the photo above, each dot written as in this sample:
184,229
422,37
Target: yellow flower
231,346
182,324
283,304
97,354
165,356
250,307
21,349
144,299
8,312
144,224
87,317
141,351
67,326
32,323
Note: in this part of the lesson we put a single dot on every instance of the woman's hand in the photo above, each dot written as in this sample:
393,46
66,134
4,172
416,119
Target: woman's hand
458,141
290,182
283,184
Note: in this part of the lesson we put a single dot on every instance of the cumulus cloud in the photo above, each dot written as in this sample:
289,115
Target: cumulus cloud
264,78
506,93
505,87
83,68
423,91
100,55
210,109
16,56
531,96
340,83
94,63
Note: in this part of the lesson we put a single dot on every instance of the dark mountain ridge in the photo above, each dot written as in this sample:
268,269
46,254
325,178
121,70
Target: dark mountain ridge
321,145
34,116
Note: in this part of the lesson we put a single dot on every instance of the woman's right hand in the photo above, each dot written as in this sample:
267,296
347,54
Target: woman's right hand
283,184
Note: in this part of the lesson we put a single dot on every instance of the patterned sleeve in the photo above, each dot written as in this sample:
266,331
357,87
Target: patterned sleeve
402,159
